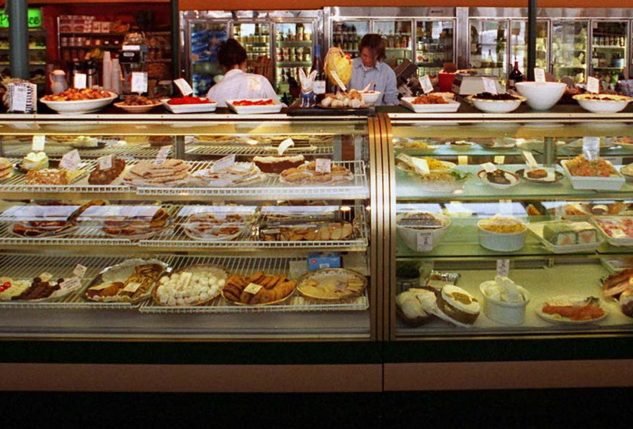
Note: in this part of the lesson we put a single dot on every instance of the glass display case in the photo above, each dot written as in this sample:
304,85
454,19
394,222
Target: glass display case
188,229
483,244
570,49
488,43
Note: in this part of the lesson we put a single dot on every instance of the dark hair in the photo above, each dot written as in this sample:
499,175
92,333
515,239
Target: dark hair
375,42
231,53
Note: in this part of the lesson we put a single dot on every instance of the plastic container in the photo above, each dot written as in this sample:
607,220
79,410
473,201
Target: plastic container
506,313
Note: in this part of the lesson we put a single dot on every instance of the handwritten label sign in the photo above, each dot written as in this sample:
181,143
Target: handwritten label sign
223,163
139,82
539,75
323,165
529,159
183,86
424,241
70,161
72,283
105,162
80,271
19,98
490,85
79,80
503,267
591,148
38,143
427,86
253,288
593,85
163,153
489,167
284,145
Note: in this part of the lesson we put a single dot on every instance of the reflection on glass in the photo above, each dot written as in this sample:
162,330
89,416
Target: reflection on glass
488,47
346,35
205,40
608,57
569,50
255,37
518,44
398,37
434,46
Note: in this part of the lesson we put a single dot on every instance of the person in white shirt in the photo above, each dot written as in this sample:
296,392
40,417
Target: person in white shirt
237,84
369,69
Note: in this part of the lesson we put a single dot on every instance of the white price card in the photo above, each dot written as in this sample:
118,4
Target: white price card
427,86
284,145
183,86
424,241
323,165
223,163
529,159
105,162
38,143
80,271
593,85
139,82
79,80
539,75
503,267
70,161
489,167
318,87
163,153
422,166
72,283
19,98
591,148
253,288
490,85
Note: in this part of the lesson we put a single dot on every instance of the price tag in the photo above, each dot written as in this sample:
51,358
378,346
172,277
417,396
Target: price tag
427,86
19,98
163,153
72,283
422,166
132,287
591,148
323,165
424,241
284,145
105,162
318,87
79,80
253,288
529,159
71,160
38,143
593,85
462,160
503,267
489,167
80,271
539,75
183,86
139,82
223,163
490,85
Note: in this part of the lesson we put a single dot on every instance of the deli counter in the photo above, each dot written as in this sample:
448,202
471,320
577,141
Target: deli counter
212,243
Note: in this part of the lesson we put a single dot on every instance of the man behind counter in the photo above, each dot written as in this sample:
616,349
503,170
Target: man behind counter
369,68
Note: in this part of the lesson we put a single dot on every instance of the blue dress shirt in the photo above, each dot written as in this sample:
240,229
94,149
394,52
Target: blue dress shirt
381,74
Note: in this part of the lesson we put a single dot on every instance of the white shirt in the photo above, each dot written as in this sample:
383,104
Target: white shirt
239,85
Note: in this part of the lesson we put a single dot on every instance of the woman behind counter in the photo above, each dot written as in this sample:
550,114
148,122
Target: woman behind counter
237,84
369,68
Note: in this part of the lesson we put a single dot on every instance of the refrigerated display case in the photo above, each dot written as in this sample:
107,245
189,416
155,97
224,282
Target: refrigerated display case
36,45
163,243
435,41
398,36
609,51
518,44
570,49
346,34
488,42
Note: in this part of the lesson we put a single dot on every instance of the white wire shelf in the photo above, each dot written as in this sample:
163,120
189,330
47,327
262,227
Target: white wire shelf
83,236
19,149
248,265
202,149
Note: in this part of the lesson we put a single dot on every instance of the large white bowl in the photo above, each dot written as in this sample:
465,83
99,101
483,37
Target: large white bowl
496,106
501,242
81,106
541,95
503,312
609,103
371,98
410,235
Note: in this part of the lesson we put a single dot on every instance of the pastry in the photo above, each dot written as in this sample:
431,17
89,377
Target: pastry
277,164
129,281
537,173
332,284
626,302
50,176
416,306
35,161
617,283
458,305
498,177
105,177
307,174
194,285
240,173
148,173
6,169
258,288
130,227
216,226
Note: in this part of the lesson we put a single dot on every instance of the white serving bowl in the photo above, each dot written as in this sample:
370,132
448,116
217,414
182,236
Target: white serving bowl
541,95
503,312
410,235
81,106
501,242
608,103
371,98
496,106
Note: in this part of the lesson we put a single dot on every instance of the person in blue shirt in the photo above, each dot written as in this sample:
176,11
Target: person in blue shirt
369,68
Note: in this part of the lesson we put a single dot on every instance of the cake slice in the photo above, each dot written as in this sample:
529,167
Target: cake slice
585,232
559,234
277,164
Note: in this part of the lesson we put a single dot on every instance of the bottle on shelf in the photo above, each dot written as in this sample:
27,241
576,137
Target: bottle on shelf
515,76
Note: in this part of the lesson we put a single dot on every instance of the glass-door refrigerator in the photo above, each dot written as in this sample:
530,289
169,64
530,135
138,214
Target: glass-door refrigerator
254,36
609,51
347,33
570,49
488,47
434,45
294,50
518,44
398,36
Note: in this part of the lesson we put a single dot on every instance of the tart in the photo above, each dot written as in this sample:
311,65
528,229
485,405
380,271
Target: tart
307,174
331,284
106,177
258,288
277,164
458,305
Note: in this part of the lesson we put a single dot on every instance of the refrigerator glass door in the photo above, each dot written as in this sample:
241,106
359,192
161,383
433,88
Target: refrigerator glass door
569,50
434,45
255,37
488,42
398,38
293,50
609,51
347,34
204,40
518,44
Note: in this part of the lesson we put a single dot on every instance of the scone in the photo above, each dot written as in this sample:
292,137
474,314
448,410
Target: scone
458,305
